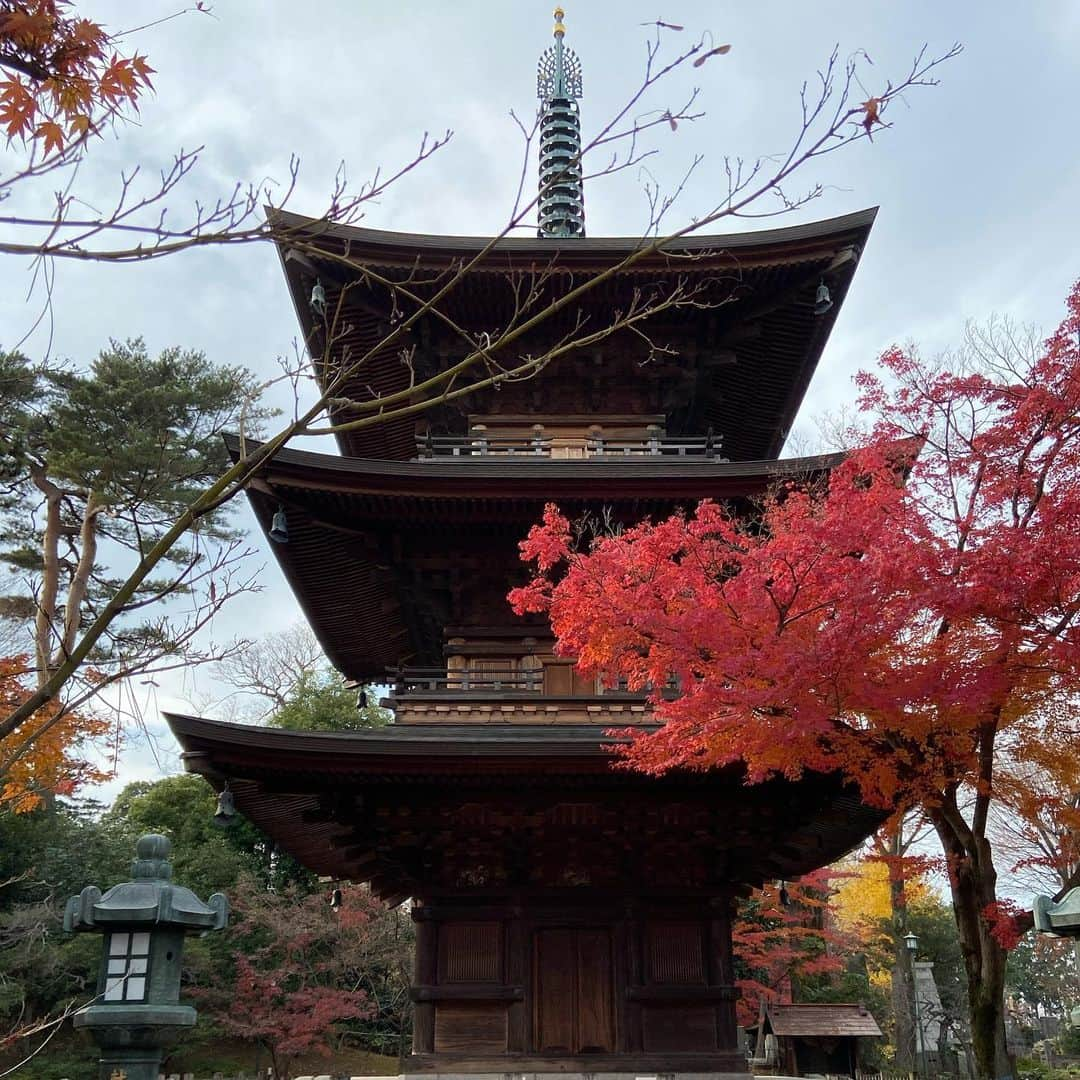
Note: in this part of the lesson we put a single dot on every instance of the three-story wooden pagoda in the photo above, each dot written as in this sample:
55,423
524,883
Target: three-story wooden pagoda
571,916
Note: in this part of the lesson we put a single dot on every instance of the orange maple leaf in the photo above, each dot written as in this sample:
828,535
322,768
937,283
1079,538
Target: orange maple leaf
17,109
46,753
52,133
73,83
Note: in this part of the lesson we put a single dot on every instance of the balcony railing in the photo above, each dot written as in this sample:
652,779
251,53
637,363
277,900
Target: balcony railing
431,447
404,681
440,446
424,680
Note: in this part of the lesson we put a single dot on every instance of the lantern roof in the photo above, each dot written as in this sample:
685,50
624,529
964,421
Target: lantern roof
150,900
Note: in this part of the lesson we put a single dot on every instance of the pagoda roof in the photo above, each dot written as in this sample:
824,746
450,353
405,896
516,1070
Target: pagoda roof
746,359
306,789
355,524
400,248
531,478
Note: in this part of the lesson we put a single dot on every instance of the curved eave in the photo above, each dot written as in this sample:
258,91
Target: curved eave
402,248
303,788
768,275
595,479
223,751
353,522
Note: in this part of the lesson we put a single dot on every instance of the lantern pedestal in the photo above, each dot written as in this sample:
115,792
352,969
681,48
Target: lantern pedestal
133,1038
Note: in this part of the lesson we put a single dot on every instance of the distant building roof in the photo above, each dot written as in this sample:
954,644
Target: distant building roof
811,1020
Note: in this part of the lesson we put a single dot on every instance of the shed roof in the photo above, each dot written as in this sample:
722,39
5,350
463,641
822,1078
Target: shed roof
828,1020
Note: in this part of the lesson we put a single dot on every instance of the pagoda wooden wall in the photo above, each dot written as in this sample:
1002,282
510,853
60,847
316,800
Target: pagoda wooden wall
587,980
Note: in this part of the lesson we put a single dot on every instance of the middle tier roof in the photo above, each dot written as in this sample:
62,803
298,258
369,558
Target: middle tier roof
384,556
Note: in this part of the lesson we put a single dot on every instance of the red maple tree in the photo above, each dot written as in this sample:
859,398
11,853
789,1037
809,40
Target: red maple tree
295,954
909,634
782,934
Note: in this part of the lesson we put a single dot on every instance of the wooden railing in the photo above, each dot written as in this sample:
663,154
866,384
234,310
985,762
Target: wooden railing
422,680
430,447
706,446
436,680
438,446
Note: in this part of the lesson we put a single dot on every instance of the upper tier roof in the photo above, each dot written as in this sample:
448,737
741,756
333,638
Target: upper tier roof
740,366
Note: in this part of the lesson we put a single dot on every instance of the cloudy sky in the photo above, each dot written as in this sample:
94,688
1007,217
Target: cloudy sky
977,180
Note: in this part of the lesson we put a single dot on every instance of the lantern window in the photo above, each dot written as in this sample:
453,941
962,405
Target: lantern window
127,963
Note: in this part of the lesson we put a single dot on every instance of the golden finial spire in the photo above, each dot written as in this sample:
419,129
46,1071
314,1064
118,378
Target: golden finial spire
558,85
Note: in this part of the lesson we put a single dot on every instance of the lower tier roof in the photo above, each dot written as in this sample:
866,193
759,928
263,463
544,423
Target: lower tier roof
419,809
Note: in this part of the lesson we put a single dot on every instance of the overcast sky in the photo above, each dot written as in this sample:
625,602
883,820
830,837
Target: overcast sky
977,181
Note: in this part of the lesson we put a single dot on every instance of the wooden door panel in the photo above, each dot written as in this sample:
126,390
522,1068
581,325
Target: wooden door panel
574,1000
472,1029
558,680
582,686
556,975
596,1029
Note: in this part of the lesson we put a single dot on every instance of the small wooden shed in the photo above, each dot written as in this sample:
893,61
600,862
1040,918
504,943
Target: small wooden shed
813,1040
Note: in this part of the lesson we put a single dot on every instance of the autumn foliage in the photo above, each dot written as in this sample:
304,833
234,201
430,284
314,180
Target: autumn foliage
859,623
45,755
864,900
60,74
783,933
911,618
293,951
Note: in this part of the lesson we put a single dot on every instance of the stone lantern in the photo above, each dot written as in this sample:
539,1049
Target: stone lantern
137,1010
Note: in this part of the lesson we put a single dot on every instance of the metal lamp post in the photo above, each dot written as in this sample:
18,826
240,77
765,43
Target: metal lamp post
912,943
137,1010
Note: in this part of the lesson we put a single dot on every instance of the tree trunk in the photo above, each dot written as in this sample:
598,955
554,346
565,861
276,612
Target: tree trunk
903,981
903,1002
973,883
45,635
80,582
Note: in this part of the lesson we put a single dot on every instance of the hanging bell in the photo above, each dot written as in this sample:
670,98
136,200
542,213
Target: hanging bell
226,808
822,299
318,299
279,527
